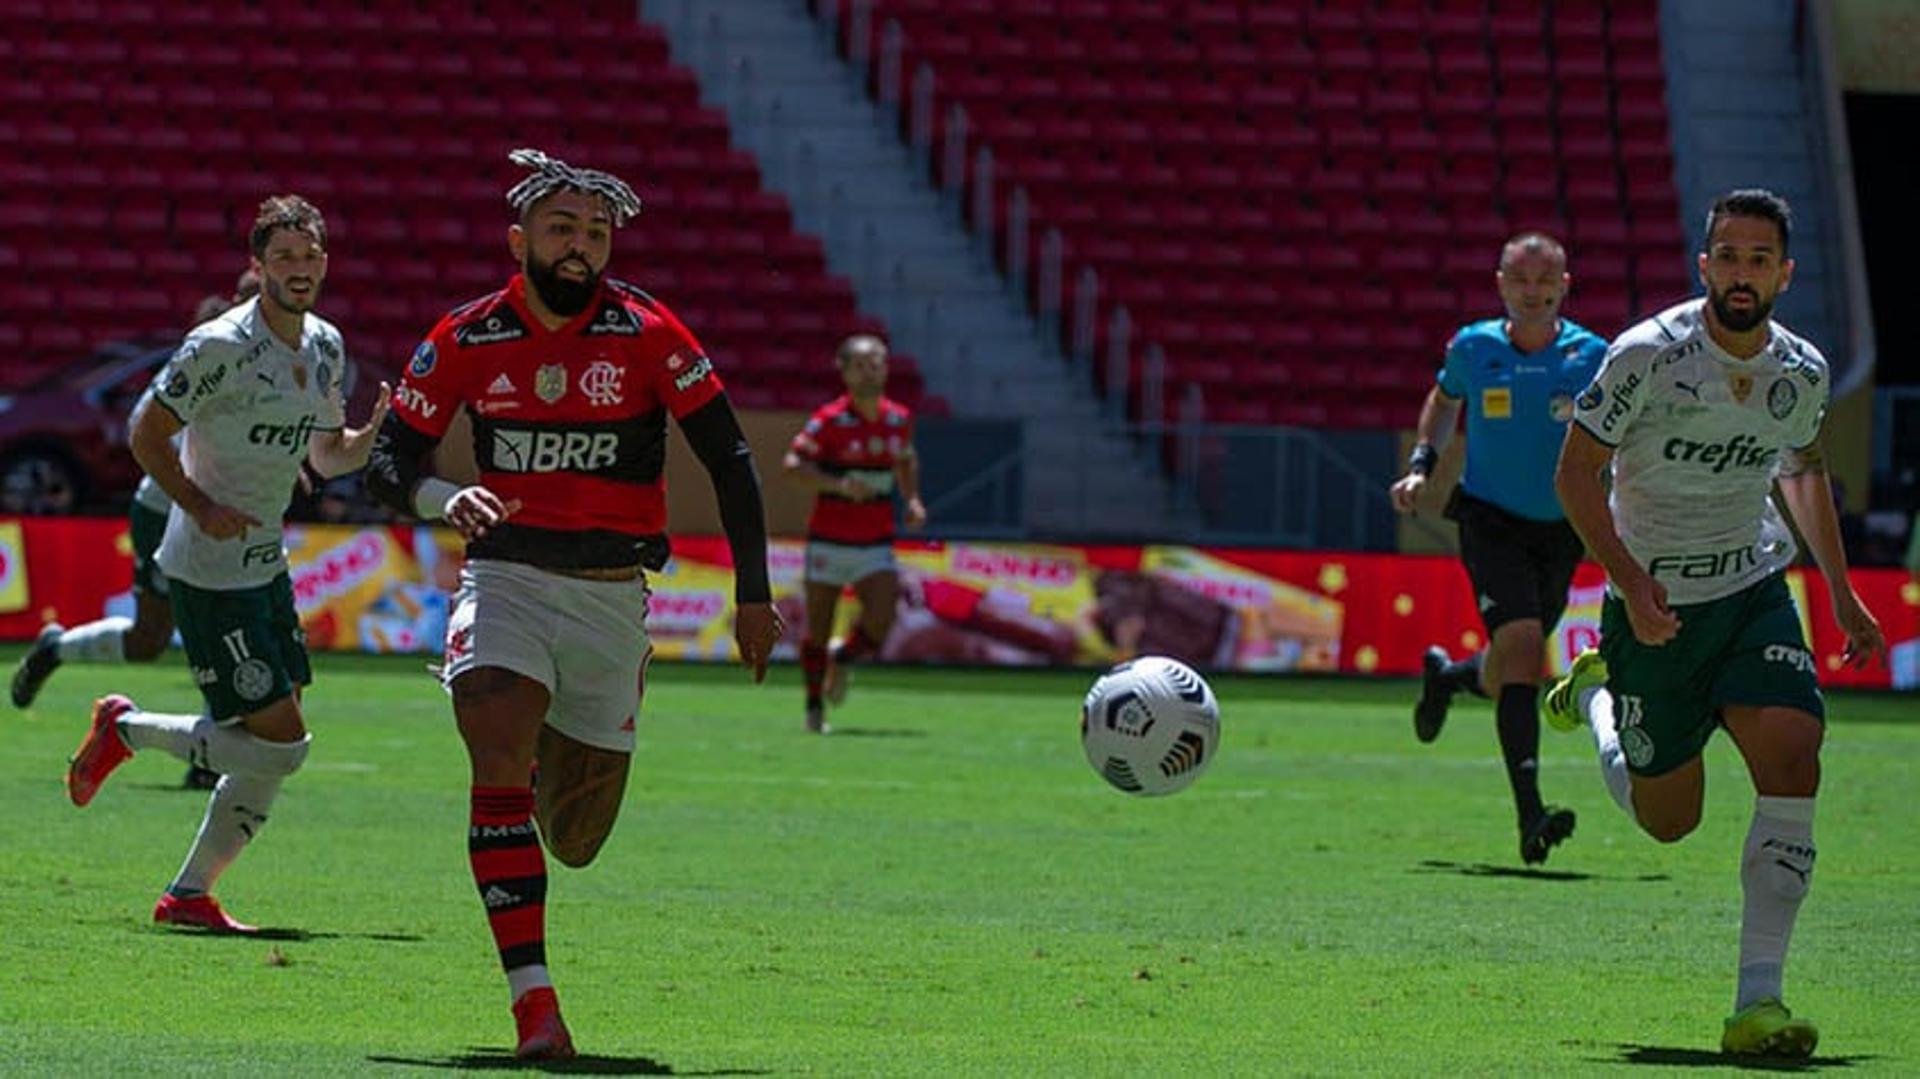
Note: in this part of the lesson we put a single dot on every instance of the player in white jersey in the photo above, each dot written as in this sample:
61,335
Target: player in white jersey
144,637
1698,413
257,391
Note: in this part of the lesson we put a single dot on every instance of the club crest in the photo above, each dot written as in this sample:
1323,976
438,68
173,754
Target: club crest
1781,397
601,383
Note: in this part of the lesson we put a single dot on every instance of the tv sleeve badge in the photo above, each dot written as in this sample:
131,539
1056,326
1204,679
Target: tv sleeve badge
13,568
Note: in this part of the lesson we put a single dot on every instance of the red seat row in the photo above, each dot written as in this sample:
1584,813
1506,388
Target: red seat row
396,119
1324,181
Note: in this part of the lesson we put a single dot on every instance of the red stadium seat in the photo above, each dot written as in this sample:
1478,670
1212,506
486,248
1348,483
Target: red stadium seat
1255,178
1297,413
407,113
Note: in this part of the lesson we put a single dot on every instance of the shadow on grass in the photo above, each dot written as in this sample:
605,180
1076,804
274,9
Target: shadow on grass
877,732
1481,869
1669,1057
271,932
172,788
480,1058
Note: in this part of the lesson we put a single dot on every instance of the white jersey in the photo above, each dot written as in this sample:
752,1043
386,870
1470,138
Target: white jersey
249,404
1697,436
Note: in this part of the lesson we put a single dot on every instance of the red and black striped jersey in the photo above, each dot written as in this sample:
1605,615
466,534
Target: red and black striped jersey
570,421
839,441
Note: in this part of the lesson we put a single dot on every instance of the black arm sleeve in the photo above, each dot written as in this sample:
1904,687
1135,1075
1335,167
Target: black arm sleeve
394,467
714,433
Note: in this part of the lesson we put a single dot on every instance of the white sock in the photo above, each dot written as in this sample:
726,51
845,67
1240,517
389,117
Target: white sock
531,976
235,815
183,736
96,642
1775,869
1597,705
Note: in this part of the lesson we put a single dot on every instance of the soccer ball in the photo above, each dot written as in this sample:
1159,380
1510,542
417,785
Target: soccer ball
1150,726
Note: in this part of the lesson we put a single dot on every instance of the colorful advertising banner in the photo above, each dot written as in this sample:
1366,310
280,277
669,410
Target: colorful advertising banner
13,568
387,590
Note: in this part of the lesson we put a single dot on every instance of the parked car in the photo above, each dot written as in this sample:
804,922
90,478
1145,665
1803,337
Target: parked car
63,439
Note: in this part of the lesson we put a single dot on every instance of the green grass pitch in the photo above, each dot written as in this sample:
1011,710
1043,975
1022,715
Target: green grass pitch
943,887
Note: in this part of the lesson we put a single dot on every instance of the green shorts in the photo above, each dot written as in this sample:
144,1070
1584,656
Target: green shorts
245,646
145,527
1743,649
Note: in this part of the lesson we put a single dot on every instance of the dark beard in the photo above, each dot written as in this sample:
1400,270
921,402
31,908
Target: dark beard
562,297
277,292
1739,321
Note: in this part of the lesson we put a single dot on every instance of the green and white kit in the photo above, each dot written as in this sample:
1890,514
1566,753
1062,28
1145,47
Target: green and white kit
1697,436
250,404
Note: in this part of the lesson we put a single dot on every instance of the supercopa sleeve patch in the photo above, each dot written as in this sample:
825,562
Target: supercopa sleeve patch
424,357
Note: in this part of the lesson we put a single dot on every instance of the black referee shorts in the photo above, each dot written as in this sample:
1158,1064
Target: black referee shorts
1520,568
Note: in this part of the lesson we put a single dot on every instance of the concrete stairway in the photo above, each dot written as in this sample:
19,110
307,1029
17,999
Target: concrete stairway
835,155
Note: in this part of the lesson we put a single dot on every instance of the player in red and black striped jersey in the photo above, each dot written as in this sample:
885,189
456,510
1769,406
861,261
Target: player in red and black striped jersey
855,452
568,379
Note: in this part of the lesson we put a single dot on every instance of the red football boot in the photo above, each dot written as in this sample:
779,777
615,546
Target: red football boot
101,752
543,1034
200,911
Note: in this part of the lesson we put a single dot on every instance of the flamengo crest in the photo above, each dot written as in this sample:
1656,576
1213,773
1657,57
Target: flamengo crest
601,383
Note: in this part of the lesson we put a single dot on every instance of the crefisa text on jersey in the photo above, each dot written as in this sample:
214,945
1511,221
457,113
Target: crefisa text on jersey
290,436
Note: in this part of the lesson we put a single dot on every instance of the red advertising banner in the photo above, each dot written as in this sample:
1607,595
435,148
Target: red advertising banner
386,590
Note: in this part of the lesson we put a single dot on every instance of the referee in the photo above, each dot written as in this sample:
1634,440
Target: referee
1516,378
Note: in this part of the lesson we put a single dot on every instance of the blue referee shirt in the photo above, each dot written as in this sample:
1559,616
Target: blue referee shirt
1517,406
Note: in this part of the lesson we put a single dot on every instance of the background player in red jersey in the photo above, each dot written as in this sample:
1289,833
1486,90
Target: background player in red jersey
568,380
854,452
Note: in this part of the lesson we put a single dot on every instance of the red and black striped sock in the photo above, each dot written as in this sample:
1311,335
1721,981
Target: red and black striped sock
855,648
813,664
511,873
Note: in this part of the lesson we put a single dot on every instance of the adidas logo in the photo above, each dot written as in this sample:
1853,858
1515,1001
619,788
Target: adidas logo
495,897
1486,603
502,384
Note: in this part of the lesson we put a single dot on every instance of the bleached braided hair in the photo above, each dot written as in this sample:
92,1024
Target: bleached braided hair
550,174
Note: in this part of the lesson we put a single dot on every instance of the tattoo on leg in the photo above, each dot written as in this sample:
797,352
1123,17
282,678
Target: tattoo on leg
577,796
481,683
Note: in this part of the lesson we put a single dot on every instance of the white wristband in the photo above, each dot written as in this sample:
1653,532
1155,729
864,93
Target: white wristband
431,497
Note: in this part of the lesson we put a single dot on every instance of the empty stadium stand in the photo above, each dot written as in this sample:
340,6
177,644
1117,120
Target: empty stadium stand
1301,200
141,134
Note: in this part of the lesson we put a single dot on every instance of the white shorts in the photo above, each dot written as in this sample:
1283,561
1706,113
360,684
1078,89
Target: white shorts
843,564
586,641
